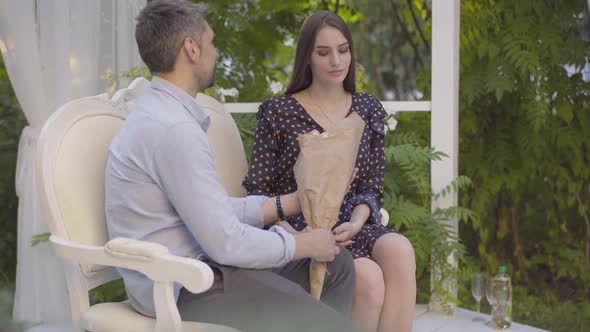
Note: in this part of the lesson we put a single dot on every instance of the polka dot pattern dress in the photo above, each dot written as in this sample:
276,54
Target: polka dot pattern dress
275,151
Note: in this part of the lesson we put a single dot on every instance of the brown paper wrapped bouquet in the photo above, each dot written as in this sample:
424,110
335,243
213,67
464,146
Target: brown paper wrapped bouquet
322,173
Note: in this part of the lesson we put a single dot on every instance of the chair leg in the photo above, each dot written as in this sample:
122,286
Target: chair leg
167,316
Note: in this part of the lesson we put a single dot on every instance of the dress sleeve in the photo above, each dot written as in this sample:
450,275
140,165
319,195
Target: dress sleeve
262,173
370,183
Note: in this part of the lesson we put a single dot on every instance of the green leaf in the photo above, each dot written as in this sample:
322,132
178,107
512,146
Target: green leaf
39,238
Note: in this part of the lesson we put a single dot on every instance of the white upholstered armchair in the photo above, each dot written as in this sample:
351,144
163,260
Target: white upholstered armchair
71,158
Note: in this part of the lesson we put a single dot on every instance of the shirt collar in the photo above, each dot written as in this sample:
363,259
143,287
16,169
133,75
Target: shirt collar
188,101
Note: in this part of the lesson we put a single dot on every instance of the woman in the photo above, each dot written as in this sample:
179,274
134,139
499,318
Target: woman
321,93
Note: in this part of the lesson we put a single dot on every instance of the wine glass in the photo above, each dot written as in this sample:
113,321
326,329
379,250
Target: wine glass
490,293
477,288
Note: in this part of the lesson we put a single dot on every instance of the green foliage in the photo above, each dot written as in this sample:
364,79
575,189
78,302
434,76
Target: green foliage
546,310
392,41
524,133
524,142
40,238
264,26
136,72
407,198
12,122
541,114
113,291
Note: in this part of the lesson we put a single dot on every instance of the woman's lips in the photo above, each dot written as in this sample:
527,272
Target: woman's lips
336,72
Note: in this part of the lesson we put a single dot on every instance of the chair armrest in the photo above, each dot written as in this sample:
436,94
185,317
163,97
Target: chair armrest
134,249
384,217
149,258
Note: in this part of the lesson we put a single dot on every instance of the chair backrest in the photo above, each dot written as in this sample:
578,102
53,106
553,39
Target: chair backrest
71,157
224,135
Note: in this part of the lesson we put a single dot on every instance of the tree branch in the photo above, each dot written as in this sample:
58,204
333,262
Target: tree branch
516,241
587,220
428,11
418,25
406,32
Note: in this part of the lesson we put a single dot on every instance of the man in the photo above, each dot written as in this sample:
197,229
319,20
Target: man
161,186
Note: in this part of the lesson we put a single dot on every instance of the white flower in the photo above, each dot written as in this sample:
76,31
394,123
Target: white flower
289,42
276,87
233,92
391,123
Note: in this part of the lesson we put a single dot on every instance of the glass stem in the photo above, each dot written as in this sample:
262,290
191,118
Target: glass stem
478,306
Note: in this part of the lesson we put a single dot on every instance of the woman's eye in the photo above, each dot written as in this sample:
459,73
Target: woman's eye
343,50
322,53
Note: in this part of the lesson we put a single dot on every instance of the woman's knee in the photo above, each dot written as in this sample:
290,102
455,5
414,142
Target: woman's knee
395,249
370,283
405,248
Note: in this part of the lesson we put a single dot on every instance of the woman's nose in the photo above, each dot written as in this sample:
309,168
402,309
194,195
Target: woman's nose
335,59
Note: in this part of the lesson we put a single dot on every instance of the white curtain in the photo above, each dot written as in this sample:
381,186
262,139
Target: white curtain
56,51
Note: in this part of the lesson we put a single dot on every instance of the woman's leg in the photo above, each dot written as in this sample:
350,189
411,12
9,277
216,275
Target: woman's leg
395,255
369,294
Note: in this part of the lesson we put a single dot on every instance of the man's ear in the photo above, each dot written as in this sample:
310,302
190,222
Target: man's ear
191,49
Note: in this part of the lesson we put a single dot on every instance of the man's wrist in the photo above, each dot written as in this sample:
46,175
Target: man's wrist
301,246
279,207
290,204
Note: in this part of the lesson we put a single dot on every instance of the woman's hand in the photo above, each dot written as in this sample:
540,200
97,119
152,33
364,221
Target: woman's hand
345,232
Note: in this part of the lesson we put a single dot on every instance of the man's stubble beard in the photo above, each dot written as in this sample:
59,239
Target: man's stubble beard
210,81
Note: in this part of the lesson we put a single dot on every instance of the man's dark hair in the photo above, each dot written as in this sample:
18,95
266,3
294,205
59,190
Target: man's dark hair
161,28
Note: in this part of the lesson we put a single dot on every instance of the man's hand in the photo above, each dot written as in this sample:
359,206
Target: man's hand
318,244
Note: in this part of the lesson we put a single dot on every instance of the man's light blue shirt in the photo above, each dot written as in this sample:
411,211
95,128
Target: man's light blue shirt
161,186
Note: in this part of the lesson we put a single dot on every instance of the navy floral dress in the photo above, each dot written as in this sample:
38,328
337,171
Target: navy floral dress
280,120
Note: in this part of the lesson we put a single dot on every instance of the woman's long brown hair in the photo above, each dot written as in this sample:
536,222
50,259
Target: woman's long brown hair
302,75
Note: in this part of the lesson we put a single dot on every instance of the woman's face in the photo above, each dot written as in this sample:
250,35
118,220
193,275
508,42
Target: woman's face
330,58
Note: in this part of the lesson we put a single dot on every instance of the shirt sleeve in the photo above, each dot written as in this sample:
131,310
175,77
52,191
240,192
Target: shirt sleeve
262,173
249,209
185,169
370,182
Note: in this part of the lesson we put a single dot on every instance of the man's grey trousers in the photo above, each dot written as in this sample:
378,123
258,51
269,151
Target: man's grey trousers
275,300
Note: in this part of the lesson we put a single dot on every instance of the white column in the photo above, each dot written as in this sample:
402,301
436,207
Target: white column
445,123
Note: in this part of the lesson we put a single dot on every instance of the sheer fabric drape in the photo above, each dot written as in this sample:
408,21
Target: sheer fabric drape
56,51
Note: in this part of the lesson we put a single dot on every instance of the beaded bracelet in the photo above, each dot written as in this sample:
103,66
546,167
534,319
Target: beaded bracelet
279,206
